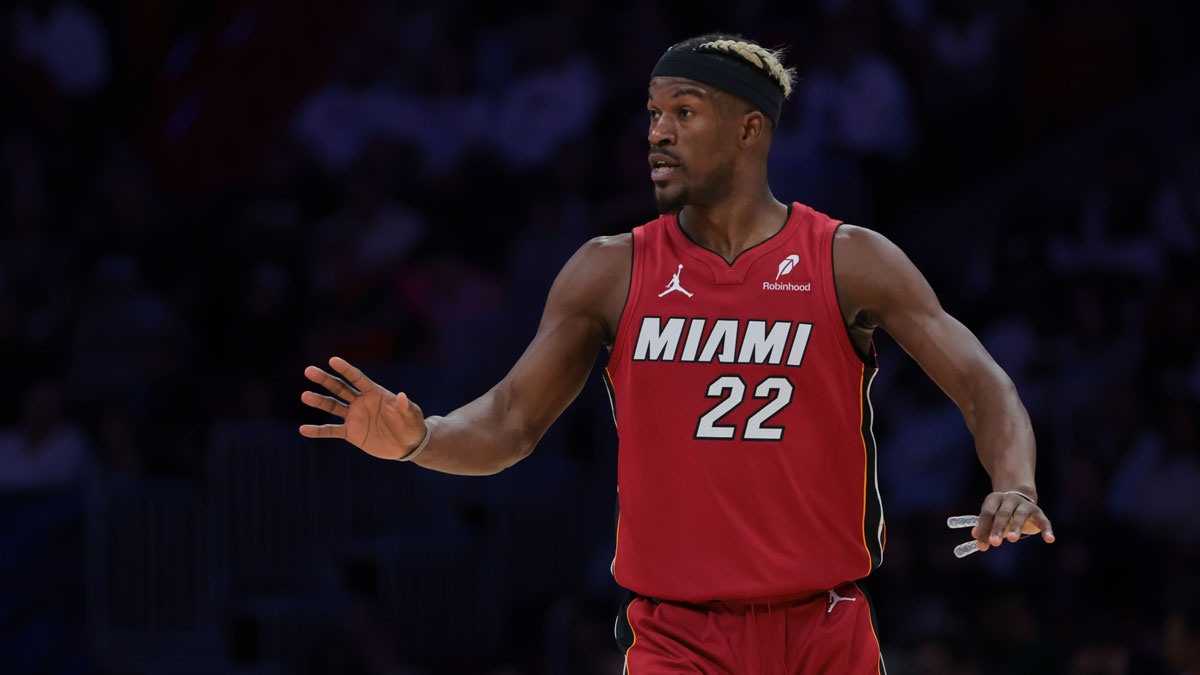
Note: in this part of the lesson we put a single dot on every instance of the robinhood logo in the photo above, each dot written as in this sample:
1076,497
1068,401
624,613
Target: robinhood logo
786,286
785,267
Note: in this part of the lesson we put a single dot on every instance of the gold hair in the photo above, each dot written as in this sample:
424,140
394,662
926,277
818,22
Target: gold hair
768,60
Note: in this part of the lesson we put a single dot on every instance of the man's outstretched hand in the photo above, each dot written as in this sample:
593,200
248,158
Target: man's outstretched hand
381,423
1001,520
1007,516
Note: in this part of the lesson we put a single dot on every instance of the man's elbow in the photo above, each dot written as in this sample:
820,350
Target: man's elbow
990,390
521,447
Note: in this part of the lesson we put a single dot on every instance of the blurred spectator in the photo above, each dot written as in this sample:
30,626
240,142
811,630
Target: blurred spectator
854,114
1175,211
116,331
525,123
1076,57
1157,480
382,231
1100,659
1181,635
963,45
555,231
118,437
1013,639
924,458
912,15
1113,234
936,656
67,40
855,100
47,450
544,109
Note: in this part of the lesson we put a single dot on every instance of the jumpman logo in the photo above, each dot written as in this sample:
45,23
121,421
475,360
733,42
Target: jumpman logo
674,285
834,599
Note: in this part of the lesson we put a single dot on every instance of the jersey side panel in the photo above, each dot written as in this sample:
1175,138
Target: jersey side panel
872,503
631,301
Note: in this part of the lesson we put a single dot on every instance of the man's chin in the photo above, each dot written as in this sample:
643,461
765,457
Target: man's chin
667,202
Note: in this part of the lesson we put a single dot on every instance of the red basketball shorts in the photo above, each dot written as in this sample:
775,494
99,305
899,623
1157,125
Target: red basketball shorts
831,633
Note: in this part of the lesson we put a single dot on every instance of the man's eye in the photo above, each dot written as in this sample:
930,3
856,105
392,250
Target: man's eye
685,113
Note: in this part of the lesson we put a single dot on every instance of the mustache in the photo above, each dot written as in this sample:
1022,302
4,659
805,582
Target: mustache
655,150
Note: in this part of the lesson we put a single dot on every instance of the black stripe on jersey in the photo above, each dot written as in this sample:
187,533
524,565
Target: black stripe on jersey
612,395
874,623
628,291
622,630
873,526
612,402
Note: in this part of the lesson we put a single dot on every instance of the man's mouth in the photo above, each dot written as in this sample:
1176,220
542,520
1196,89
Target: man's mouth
662,166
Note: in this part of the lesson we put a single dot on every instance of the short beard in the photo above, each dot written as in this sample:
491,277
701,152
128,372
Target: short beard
716,188
667,204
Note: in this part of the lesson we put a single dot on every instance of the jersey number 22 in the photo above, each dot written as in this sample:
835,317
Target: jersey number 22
777,390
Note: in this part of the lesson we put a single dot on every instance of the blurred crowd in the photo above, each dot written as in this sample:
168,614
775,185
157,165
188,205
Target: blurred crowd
199,199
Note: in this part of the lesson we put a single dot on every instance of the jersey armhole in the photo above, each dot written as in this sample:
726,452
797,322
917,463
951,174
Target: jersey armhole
835,308
631,296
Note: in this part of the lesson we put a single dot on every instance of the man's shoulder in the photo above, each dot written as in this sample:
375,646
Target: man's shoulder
608,250
595,281
859,239
609,241
861,252
598,264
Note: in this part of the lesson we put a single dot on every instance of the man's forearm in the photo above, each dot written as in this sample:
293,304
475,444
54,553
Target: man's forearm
473,441
1003,433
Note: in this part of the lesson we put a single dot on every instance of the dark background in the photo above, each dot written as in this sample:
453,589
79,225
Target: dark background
199,199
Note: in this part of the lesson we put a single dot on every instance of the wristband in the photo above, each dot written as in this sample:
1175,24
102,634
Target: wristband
1018,493
421,446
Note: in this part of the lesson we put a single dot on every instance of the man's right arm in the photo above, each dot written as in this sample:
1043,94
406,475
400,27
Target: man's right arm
503,426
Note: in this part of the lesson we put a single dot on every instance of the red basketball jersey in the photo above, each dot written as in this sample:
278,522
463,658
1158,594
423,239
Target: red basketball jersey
747,464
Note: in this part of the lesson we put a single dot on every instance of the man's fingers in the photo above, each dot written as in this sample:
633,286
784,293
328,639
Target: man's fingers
335,385
327,403
323,430
352,374
1004,514
1020,514
987,514
1043,523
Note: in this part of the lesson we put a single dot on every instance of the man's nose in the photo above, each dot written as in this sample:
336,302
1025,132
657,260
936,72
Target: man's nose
661,133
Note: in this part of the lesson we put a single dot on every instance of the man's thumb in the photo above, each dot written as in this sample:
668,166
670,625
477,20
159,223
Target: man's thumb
405,406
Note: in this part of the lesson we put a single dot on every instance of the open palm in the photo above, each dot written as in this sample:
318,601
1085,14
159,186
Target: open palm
379,422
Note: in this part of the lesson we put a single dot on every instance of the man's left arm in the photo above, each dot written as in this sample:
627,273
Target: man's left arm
878,286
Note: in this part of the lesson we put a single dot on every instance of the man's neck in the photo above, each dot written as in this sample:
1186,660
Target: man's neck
733,226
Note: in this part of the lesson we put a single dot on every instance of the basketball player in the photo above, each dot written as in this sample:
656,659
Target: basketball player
740,366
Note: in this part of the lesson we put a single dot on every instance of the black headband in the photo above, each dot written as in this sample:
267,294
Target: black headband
744,81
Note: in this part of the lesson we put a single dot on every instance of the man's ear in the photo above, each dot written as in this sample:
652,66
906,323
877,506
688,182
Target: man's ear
754,128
